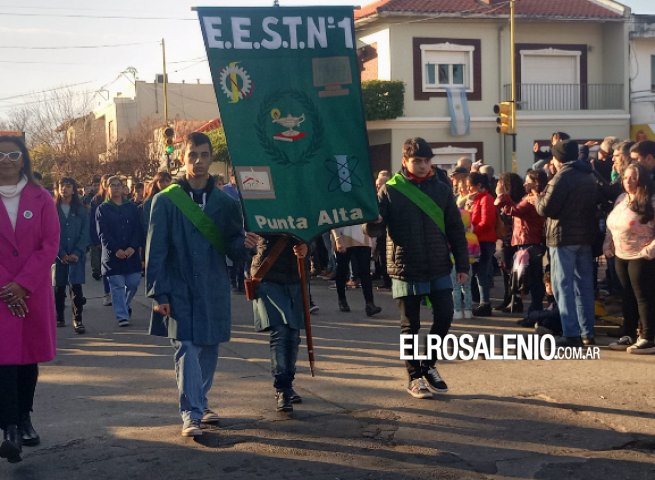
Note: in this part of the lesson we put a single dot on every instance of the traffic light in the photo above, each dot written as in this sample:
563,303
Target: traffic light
504,119
169,134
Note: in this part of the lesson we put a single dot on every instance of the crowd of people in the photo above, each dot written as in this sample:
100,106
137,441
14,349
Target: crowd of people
438,241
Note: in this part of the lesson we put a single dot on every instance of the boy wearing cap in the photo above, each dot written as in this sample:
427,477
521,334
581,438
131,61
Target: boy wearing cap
423,227
569,205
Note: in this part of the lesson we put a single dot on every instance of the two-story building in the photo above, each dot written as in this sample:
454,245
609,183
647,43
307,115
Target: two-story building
571,73
642,76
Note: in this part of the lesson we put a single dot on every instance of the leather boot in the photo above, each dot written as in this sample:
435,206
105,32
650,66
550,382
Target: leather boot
11,444
517,305
343,305
372,309
30,437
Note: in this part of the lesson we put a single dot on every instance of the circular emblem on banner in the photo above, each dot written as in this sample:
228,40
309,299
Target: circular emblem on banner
28,214
235,82
289,127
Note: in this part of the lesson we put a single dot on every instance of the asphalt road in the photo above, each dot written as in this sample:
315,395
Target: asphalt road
106,408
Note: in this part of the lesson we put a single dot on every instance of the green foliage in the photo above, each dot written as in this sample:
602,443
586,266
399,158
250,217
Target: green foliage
383,99
219,145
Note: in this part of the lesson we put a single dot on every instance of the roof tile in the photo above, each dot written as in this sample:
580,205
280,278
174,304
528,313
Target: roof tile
526,8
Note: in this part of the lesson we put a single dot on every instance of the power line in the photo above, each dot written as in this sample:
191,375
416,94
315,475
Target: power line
104,17
44,91
65,47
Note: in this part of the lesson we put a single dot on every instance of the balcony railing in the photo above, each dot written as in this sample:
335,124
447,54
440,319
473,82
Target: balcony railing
568,96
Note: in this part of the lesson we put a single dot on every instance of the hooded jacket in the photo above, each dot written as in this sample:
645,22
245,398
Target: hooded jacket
569,204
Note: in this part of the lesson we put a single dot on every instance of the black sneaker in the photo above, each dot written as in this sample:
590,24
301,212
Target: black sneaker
61,323
313,308
295,398
588,341
482,310
434,381
283,398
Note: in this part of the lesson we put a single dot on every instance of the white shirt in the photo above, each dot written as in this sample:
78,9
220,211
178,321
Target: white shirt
10,195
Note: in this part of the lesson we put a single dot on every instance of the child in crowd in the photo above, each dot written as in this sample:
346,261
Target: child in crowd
545,321
462,291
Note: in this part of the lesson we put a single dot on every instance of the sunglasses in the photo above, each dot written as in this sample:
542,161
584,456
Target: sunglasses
13,156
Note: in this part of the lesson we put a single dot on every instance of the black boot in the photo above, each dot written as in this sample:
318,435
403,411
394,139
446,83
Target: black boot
372,309
11,444
283,400
343,305
30,437
517,305
78,327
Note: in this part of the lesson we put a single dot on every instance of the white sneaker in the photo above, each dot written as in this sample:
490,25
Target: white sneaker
458,315
191,429
106,301
468,314
418,389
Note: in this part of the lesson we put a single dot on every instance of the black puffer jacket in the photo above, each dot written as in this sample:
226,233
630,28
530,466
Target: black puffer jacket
285,268
416,248
569,204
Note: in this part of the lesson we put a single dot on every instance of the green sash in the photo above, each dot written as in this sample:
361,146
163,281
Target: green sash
420,199
196,216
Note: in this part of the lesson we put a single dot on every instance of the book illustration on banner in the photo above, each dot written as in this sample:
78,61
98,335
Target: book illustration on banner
288,122
332,74
235,82
289,127
255,182
343,177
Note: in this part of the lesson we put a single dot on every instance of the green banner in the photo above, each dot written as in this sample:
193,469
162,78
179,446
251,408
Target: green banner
288,89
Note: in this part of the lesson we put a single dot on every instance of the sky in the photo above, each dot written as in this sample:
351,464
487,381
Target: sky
36,37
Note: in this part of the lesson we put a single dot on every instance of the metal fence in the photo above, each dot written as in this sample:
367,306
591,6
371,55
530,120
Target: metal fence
568,96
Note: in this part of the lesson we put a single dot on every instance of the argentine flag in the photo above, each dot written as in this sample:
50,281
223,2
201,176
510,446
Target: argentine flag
460,119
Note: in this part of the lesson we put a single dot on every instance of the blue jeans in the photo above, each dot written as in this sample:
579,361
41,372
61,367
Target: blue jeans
485,270
123,288
461,289
194,370
572,275
284,352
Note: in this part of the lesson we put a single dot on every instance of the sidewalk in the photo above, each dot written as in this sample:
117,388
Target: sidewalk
106,408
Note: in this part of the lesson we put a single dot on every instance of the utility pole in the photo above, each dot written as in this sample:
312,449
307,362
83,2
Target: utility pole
513,83
163,56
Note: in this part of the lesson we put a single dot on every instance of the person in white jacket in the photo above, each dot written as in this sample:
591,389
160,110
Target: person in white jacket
351,244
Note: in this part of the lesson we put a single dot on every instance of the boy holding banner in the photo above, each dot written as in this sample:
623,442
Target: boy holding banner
423,227
193,227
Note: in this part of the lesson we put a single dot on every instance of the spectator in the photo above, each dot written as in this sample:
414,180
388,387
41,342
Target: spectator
483,219
603,164
527,231
631,238
569,204
465,163
644,153
488,170
219,181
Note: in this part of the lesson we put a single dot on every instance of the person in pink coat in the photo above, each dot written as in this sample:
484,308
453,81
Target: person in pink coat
29,240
